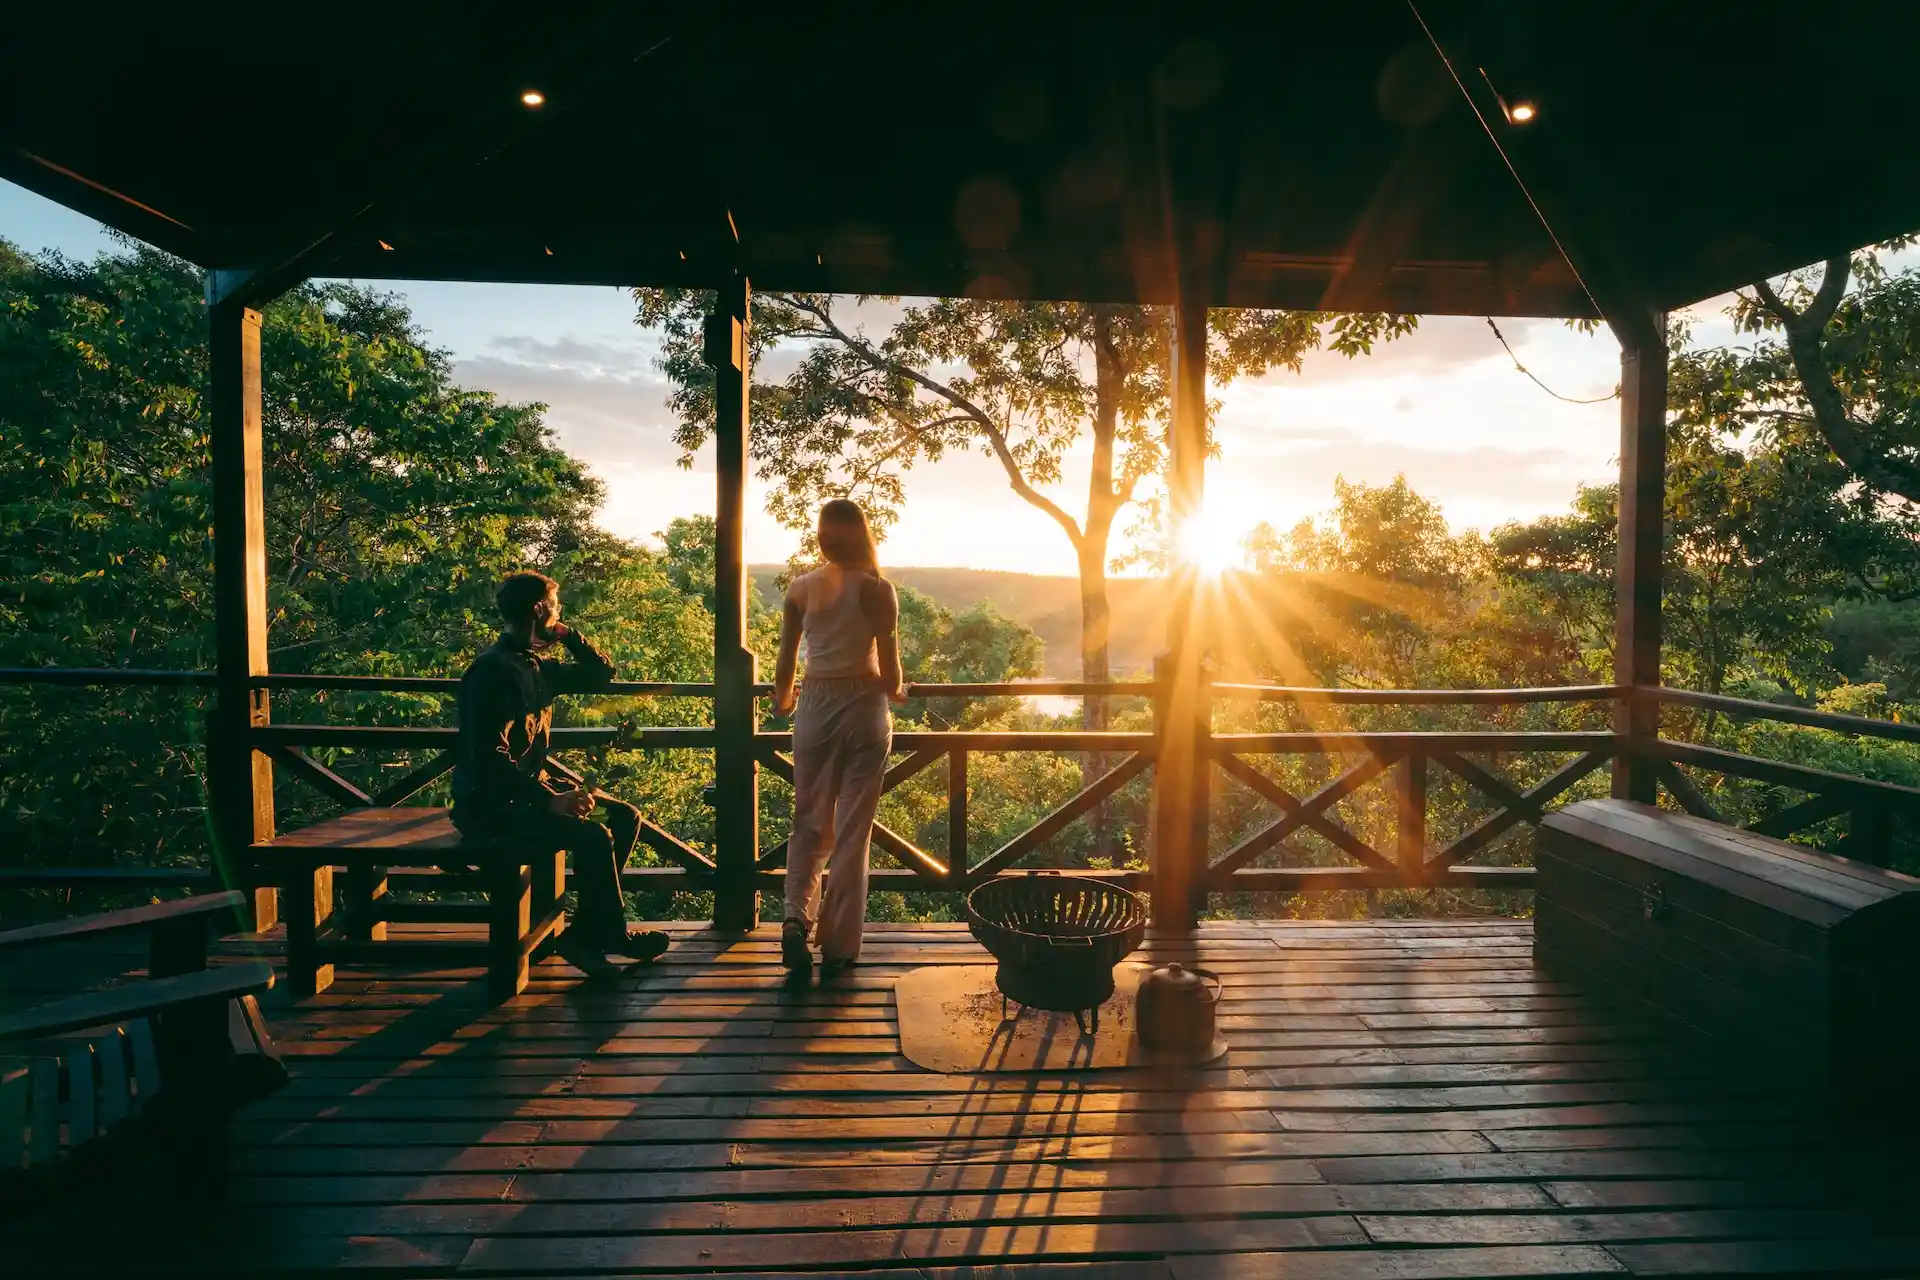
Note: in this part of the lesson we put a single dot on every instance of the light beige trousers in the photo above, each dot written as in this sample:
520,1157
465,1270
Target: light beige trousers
842,732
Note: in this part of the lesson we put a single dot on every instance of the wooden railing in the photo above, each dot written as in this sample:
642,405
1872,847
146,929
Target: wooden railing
1406,762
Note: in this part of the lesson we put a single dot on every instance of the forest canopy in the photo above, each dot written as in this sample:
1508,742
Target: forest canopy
396,497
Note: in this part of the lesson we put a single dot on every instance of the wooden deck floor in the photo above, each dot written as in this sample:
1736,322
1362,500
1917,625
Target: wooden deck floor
1402,1099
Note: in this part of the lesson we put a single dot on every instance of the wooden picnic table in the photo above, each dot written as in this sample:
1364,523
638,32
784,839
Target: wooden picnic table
521,885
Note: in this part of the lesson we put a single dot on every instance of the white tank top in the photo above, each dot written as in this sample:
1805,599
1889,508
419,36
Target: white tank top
836,635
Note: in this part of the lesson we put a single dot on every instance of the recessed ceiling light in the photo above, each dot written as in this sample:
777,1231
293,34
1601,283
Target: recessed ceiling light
533,98
1521,112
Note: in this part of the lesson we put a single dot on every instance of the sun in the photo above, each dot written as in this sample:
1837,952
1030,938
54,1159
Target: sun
1209,546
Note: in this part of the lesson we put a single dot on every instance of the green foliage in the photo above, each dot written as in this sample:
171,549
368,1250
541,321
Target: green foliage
1024,382
395,498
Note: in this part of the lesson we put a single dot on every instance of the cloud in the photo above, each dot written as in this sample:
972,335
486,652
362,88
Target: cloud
584,355
1442,344
598,416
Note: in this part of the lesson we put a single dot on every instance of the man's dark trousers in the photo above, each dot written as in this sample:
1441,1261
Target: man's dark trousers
598,853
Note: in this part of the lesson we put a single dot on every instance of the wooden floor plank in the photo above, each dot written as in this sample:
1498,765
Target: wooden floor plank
1612,1228
556,1180
960,1243
1423,1264
1402,1099
273,1157
1770,1256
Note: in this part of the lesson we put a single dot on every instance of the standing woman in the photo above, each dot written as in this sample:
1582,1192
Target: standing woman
848,616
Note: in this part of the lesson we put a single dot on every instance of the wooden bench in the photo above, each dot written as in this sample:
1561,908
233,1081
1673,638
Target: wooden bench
174,1050
522,886
1798,968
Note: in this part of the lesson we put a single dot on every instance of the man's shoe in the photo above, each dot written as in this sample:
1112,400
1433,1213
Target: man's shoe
832,968
585,956
793,947
640,944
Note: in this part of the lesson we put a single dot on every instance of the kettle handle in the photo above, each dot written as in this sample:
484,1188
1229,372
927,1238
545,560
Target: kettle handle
1219,986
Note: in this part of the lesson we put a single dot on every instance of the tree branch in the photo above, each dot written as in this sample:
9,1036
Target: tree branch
996,437
1805,331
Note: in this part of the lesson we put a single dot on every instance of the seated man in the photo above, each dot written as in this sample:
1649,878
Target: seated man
500,785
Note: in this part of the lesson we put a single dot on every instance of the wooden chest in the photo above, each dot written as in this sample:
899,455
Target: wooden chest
1796,965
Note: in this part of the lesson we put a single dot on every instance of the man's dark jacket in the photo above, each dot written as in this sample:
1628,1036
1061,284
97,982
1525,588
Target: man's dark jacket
506,713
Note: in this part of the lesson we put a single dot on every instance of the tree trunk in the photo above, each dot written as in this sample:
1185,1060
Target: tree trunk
1096,620
1095,666
1096,616
1806,336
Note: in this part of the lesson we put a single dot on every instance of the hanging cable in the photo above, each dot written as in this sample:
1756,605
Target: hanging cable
1611,395
1539,213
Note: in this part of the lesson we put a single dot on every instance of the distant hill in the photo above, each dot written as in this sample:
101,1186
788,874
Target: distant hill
1050,605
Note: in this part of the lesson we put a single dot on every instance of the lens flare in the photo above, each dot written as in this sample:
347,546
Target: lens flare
1208,546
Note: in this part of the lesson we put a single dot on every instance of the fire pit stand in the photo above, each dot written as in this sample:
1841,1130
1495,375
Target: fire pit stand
1057,940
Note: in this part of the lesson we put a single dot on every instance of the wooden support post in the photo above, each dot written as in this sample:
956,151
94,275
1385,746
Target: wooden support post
736,904
1180,791
1412,827
364,911
309,910
1869,831
239,778
957,815
1637,577
509,885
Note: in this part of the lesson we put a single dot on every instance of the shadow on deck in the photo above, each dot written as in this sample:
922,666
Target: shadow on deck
1402,1099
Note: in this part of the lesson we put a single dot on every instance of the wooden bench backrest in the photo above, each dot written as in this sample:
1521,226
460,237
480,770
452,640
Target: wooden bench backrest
230,902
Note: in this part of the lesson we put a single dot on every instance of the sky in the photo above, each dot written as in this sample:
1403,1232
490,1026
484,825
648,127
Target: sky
1445,407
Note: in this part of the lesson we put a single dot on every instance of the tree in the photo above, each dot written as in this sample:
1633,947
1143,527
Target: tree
1851,366
394,500
1363,586
1023,382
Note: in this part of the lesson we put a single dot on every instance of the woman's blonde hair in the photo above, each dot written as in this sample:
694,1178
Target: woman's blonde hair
845,537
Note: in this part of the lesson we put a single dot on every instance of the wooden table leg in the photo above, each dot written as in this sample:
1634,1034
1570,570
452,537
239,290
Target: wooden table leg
549,884
308,906
509,916
366,900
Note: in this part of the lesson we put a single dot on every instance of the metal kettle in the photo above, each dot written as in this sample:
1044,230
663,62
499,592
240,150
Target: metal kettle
1174,1010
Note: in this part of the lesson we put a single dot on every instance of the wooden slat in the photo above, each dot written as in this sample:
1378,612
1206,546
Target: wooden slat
1527,806
1402,1098
409,784
1057,821
110,1066
146,1063
16,1098
1314,743
1683,790
318,776
1799,777
1747,707
957,852
1309,813
136,999
96,927
1797,817
673,848
77,1063
43,1146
